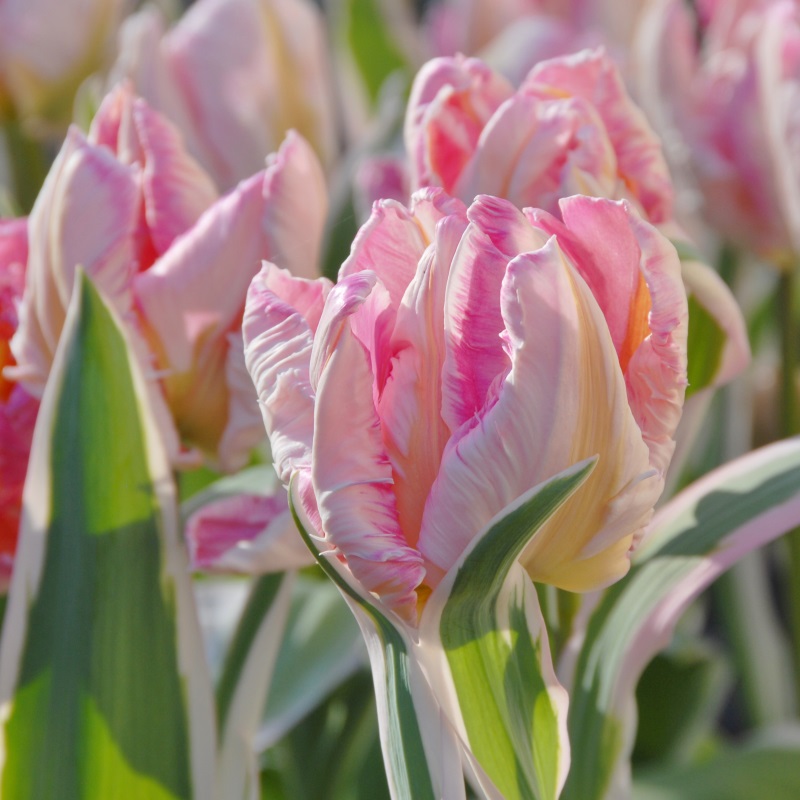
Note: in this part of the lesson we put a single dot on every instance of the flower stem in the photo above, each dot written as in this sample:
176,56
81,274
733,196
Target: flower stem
790,426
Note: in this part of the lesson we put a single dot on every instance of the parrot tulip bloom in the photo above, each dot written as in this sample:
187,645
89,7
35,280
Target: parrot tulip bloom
47,48
234,76
464,357
132,208
570,128
17,408
732,100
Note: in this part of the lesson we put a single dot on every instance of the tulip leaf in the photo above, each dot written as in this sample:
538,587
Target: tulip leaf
245,681
102,674
496,646
321,649
706,343
415,768
692,540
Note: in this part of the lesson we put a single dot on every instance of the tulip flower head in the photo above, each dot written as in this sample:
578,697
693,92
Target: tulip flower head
570,128
465,356
139,214
731,96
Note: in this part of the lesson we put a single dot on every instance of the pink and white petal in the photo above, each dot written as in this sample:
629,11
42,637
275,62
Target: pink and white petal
430,205
296,206
472,325
351,473
195,292
562,401
86,215
390,244
278,343
176,188
451,101
655,365
410,406
249,533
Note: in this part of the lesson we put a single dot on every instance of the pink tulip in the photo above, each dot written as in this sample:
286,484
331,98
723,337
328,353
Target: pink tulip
17,407
464,357
732,99
234,76
570,128
131,207
47,48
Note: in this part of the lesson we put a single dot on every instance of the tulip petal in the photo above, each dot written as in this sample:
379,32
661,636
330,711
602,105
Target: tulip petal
247,533
451,100
278,342
296,206
85,189
535,424
193,297
390,244
410,405
593,76
351,473
176,189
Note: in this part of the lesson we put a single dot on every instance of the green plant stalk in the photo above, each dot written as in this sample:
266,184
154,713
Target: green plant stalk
790,426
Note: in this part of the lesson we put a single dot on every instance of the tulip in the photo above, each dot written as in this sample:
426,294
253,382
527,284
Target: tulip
17,407
131,207
731,101
570,128
47,48
464,357
234,76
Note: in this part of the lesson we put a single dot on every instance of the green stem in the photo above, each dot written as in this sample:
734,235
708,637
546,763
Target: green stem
790,426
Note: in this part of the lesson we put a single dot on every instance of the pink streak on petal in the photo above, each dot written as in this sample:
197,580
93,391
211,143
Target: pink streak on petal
247,533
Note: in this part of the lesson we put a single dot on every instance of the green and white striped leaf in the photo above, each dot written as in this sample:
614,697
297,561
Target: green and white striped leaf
420,751
321,649
494,653
103,683
244,683
692,540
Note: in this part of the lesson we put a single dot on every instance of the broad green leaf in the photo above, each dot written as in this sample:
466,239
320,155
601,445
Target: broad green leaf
766,770
419,754
102,674
244,683
511,706
322,647
692,540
